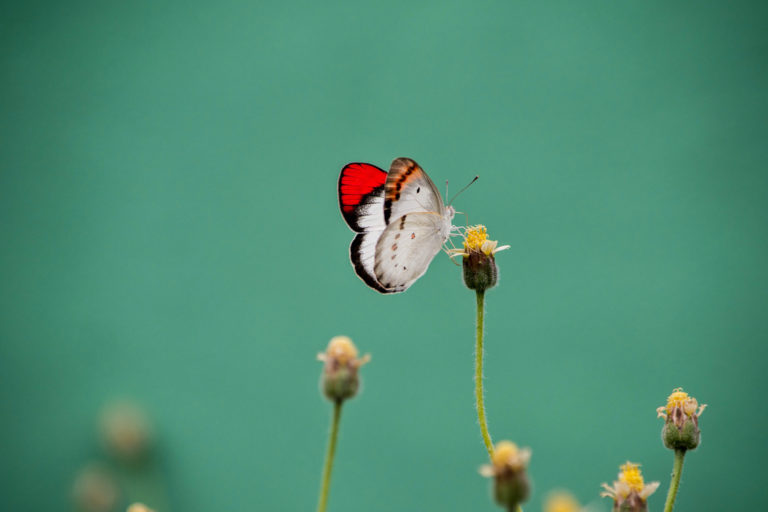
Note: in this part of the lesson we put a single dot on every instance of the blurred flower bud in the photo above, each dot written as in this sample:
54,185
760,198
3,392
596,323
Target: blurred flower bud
561,501
629,492
508,469
126,432
139,507
95,490
479,262
340,380
681,421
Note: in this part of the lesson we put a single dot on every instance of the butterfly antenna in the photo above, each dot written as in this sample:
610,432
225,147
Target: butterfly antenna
462,190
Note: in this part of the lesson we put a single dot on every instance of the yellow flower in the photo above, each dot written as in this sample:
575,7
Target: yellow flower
681,421
480,271
340,380
561,501
476,240
680,400
139,507
340,348
630,488
126,430
508,465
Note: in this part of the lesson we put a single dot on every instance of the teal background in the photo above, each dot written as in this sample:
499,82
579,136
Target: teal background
170,233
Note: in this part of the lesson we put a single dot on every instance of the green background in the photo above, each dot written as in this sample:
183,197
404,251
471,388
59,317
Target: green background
170,233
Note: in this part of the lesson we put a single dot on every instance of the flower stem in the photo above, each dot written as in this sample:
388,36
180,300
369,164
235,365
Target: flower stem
479,374
677,470
321,506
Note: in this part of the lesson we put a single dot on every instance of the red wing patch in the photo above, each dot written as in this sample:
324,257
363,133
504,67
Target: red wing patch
356,181
361,189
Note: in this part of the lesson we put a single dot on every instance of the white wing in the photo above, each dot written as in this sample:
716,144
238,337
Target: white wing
361,200
408,189
362,253
406,248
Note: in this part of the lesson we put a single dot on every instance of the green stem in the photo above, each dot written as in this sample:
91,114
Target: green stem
479,374
321,506
677,470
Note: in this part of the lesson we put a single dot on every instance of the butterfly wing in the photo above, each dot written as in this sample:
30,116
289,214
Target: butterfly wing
361,196
408,189
406,248
361,200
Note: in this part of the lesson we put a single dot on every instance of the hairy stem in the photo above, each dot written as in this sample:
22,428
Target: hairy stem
323,501
677,470
479,374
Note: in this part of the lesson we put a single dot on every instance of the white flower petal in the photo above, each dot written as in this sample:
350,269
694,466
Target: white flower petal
649,489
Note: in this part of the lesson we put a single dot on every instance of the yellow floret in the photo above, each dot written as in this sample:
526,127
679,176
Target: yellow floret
475,237
342,349
505,452
630,475
561,502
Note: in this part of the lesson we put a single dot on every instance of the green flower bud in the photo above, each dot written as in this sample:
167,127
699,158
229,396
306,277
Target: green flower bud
95,490
127,432
511,486
480,271
479,262
630,492
340,379
681,421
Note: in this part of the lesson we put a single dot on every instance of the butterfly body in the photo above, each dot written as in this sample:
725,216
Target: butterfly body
400,220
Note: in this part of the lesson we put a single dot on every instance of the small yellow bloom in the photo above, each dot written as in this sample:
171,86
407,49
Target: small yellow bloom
510,482
508,455
480,271
340,379
630,473
476,240
561,501
96,490
126,430
342,349
680,400
139,507
630,488
681,421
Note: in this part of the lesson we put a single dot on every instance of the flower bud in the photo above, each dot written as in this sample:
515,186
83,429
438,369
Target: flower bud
681,421
139,507
508,469
95,490
340,380
126,431
480,271
479,262
630,492
561,501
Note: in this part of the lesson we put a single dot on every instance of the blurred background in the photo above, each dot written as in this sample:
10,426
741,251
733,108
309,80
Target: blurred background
171,242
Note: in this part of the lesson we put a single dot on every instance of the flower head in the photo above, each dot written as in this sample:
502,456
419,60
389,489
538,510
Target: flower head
508,469
127,431
561,501
681,421
340,379
629,492
139,507
95,490
480,271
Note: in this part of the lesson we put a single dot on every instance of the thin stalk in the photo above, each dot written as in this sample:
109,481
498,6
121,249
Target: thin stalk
479,374
677,471
323,501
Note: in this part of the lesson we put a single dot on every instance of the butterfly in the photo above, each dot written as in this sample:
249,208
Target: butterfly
400,220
